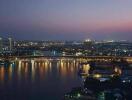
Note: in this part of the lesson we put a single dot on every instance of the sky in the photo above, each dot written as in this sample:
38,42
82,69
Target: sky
66,19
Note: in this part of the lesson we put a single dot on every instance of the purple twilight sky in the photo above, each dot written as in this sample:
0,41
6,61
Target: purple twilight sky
66,19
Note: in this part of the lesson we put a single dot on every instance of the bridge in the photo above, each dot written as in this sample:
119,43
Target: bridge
82,58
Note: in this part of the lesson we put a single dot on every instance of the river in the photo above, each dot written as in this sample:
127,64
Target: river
44,80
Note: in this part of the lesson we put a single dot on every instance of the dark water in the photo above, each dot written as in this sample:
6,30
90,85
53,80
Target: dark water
43,80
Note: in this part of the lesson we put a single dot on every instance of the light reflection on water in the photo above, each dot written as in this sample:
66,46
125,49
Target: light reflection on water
34,80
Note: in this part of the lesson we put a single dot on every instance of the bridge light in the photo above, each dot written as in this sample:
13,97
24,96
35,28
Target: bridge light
97,76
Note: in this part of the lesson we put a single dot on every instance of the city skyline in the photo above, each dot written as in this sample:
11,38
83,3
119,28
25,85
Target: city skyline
66,20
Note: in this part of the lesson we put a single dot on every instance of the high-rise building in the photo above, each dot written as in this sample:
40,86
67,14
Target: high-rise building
1,45
10,44
6,44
